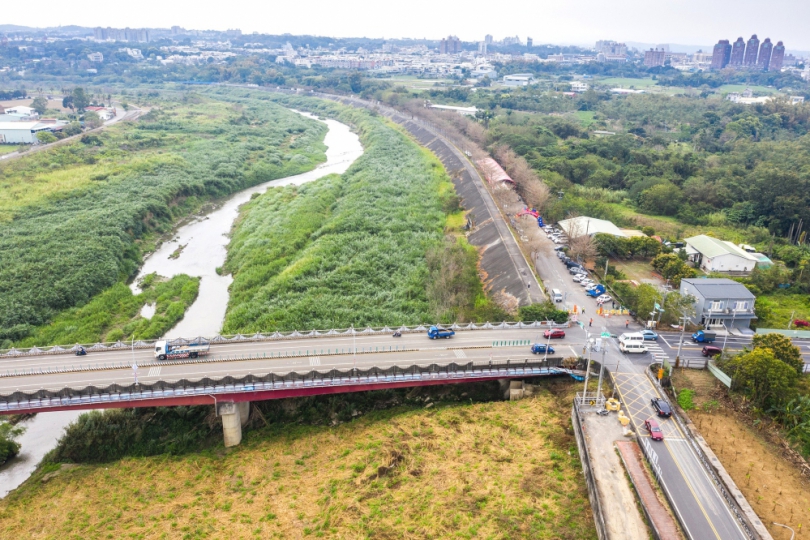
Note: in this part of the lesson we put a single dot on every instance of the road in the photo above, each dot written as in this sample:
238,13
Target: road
698,502
280,357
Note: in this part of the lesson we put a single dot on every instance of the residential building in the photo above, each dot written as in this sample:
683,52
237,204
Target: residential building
777,57
518,79
488,39
737,53
450,45
721,55
588,226
121,34
654,57
764,59
529,42
715,255
19,113
579,86
104,113
751,50
95,57
611,48
720,303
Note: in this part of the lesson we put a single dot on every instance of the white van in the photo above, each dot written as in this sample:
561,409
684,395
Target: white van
631,337
557,295
632,347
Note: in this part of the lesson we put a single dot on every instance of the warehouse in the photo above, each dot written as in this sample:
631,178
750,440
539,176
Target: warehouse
21,132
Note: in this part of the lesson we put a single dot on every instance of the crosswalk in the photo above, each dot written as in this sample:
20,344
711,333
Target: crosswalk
657,352
314,360
154,371
460,353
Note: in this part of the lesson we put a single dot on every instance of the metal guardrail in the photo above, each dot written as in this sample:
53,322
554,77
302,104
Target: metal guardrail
90,395
275,336
718,373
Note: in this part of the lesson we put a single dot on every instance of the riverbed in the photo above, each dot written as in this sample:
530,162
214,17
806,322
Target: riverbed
204,242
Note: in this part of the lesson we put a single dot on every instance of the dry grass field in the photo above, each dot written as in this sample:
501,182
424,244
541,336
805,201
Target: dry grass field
486,470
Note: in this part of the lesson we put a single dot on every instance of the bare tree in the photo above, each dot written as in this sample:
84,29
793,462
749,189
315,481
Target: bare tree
581,245
534,191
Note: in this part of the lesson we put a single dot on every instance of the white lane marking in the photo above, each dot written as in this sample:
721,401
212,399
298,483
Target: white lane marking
460,353
154,371
573,351
665,340
314,360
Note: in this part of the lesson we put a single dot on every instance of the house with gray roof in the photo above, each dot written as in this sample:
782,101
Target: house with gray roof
715,255
720,303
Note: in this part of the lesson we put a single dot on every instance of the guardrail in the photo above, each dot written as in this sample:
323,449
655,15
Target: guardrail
590,481
184,388
274,336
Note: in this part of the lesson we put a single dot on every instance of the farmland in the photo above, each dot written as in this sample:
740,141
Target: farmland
79,218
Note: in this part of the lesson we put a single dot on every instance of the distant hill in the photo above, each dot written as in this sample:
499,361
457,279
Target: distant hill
69,30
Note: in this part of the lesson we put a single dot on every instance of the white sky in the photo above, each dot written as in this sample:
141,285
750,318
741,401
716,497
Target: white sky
692,22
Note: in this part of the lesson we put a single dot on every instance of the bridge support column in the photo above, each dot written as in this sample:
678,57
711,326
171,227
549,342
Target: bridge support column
232,422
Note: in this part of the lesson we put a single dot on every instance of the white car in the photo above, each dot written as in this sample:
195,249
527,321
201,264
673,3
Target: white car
586,282
604,298
590,286
578,278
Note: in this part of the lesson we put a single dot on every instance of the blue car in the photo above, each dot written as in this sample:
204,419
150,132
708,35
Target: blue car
540,348
649,335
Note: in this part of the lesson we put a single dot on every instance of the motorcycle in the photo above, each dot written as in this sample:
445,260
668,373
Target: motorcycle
81,351
397,334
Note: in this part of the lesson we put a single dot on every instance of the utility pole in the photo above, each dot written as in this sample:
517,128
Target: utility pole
680,342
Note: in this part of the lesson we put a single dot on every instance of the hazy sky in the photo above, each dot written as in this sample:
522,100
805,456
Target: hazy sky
694,22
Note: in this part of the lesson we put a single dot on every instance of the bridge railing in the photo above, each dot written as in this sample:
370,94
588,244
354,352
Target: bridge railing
273,336
65,397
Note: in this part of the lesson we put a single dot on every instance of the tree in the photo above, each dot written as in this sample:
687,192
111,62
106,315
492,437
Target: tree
67,103
782,348
766,380
546,311
40,104
92,120
661,199
46,137
74,128
8,446
80,98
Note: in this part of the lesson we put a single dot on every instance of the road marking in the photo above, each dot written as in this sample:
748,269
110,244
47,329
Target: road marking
154,371
460,353
689,485
665,340
314,360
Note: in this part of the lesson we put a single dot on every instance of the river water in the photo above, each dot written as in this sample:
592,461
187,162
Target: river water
204,240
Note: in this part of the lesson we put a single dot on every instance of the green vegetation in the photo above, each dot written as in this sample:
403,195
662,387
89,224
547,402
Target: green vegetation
685,399
403,472
114,315
8,446
542,312
775,310
351,249
8,148
77,218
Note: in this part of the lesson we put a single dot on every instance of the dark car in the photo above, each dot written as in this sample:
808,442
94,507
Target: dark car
711,350
655,430
540,348
571,264
553,334
661,407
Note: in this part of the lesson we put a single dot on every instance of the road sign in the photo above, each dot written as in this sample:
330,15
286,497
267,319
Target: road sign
605,334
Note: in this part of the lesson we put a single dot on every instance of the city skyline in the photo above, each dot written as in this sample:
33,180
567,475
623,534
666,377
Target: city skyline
688,22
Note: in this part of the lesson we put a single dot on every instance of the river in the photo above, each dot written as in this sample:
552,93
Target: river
205,240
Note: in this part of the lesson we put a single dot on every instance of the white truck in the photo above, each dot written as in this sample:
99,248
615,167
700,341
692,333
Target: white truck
166,349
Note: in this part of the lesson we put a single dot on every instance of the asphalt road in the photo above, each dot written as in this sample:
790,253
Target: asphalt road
698,502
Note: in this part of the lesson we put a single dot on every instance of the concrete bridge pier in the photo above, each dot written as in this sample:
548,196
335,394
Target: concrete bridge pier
234,416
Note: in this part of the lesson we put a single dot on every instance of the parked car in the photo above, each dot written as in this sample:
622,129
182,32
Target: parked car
587,281
554,334
603,298
578,277
661,407
649,335
711,350
574,270
540,348
655,430
559,248
570,264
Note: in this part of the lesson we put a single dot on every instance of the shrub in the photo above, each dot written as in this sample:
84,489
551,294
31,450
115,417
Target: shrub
685,399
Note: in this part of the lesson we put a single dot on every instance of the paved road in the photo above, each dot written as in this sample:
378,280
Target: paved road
280,357
698,502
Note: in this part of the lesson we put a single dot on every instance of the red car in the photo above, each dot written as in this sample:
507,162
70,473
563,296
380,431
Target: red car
552,334
655,431
711,350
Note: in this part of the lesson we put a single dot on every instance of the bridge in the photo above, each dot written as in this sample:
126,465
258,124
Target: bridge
240,369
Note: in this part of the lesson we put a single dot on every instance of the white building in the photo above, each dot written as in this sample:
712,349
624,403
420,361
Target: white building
21,132
518,79
588,226
95,57
715,255
579,86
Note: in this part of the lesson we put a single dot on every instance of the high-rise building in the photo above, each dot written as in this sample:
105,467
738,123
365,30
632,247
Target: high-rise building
764,58
611,48
778,57
654,57
529,43
450,45
737,52
721,54
751,51
488,39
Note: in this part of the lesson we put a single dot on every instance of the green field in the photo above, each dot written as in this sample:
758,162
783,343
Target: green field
8,148
779,307
726,88
626,82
